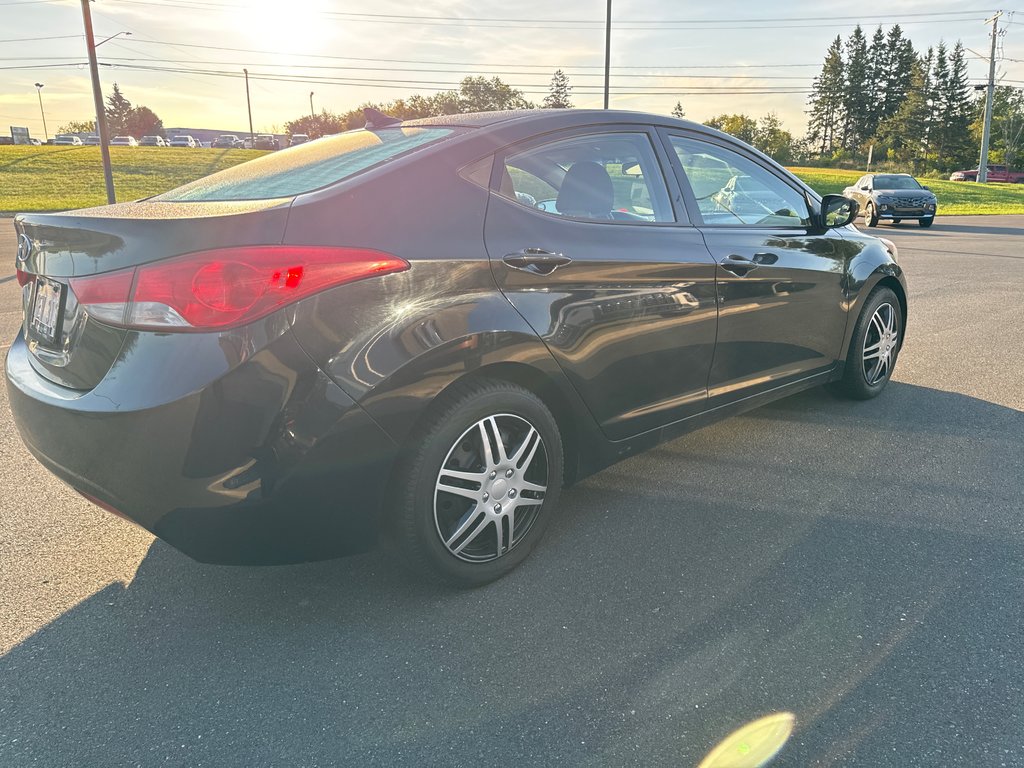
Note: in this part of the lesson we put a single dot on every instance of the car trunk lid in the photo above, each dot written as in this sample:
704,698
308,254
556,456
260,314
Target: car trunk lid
68,346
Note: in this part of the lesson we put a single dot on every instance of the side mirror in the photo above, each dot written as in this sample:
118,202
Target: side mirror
865,188
928,188
837,211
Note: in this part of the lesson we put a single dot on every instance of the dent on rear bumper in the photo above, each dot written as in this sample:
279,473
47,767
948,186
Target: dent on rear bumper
269,462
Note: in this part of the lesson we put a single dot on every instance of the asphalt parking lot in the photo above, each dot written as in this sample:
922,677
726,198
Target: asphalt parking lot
858,564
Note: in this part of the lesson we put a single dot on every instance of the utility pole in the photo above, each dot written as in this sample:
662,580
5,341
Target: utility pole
248,104
989,98
607,52
97,97
39,90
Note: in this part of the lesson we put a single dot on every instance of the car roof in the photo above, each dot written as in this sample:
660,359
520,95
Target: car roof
580,116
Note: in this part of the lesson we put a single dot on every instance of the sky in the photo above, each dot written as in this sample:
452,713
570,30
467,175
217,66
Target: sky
724,57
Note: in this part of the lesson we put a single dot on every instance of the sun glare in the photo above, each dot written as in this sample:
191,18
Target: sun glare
300,25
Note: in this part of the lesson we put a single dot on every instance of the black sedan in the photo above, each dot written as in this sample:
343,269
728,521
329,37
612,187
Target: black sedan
894,197
424,330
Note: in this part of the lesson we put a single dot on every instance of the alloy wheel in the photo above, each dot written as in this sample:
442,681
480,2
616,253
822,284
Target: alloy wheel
881,343
490,488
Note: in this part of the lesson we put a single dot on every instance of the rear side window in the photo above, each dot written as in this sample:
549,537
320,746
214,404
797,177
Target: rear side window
596,177
307,167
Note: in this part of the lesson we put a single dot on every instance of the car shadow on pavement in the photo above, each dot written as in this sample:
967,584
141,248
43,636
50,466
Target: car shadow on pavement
858,564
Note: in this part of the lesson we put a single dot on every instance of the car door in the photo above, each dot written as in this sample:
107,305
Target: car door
589,241
861,191
780,282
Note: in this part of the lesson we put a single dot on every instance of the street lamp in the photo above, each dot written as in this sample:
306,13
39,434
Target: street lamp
39,91
101,42
312,114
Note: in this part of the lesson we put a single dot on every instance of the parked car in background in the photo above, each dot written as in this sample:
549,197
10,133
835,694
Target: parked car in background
388,339
228,141
152,141
183,141
266,141
92,140
67,140
124,141
298,138
893,197
1000,173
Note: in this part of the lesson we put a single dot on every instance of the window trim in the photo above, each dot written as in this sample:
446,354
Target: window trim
693,207
671,185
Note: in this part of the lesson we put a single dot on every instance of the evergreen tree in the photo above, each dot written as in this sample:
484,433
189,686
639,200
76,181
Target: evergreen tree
957,113
900,58
939,88
558,96
857,91
878,69
826,101
905,132
677,110
118,112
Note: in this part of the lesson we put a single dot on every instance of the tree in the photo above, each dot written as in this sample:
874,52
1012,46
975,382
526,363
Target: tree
677,110
905,133
118,110
773,140
956,113
826,101
78,126
558,97
1007,138
857,91
742,127
142,121
315,126
899,60
936,95
878,69
478,94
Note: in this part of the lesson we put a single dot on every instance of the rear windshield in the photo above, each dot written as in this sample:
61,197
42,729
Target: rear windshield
307,167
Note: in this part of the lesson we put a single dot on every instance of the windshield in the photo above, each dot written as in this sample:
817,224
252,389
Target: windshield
896,182
308,167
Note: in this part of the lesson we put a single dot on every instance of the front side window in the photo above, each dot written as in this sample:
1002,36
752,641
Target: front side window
307,167
733,190
597,177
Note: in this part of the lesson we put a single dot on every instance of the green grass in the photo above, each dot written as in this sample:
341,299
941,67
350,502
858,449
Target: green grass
59,178
955,197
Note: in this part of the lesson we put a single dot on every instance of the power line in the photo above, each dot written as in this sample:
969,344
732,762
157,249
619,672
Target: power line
546,67
33,39
590,24
348,67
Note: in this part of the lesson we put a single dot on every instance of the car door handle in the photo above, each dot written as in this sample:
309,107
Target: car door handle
738,265
536,261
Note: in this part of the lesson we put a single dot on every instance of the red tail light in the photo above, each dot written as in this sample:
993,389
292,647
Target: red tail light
215,290
24,278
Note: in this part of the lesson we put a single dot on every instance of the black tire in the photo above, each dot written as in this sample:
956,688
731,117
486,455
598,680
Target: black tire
452,438
859,381
870,215
926,222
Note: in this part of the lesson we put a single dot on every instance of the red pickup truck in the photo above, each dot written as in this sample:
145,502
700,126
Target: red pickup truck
995,173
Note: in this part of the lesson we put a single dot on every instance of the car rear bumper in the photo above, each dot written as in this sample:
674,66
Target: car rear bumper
270,462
